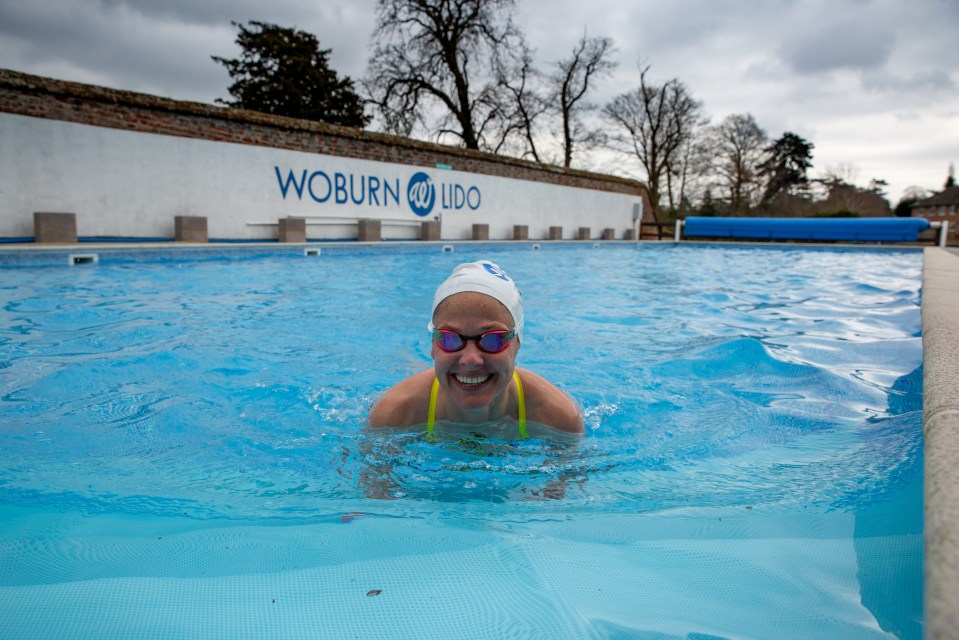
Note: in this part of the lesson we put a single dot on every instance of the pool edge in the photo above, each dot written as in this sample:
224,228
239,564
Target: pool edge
940,357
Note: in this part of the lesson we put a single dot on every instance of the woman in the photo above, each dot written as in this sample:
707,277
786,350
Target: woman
477,328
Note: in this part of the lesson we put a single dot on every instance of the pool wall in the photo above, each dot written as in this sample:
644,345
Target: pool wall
940,361
127,165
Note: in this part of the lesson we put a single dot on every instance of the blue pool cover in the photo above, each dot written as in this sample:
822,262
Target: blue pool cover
848,229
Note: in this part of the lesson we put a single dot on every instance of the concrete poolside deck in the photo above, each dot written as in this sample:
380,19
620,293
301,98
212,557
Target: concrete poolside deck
940,409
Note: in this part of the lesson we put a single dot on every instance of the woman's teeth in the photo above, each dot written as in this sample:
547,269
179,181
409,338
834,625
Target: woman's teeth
472,380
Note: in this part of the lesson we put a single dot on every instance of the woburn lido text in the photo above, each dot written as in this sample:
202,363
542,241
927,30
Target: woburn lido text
366,190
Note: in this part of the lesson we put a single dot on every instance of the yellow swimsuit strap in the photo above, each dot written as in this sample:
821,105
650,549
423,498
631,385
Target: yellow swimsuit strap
431,418
520,399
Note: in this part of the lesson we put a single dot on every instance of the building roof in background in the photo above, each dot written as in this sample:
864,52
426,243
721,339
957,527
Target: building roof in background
944,197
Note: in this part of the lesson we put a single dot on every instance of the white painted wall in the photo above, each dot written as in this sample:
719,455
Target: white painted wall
130,184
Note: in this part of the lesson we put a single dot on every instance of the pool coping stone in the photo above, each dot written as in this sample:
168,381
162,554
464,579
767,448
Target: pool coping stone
940,383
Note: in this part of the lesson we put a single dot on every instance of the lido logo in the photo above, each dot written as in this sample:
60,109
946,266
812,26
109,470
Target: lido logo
421,194
493,270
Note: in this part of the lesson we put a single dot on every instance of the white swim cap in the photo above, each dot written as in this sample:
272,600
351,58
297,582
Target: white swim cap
486,278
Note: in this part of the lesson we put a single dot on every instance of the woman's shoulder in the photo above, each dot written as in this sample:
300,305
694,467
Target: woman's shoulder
548,404
405,404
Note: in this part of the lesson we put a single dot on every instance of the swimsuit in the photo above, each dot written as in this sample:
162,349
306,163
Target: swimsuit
521,401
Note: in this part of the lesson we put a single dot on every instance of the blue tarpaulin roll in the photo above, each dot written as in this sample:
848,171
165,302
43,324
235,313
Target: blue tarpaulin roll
849,229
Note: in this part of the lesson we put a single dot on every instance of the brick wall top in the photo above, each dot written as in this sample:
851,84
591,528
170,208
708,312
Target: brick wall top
42,97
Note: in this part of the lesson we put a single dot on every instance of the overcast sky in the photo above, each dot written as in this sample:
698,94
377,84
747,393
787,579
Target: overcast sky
873,84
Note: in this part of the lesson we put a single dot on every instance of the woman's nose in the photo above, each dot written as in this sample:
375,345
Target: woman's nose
471,354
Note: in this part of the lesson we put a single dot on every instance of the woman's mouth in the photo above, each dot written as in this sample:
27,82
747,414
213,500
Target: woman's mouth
471,381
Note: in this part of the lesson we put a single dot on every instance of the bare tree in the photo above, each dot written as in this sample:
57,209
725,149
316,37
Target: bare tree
842,173
689,170
572,79
739,147
437,64
917,193
524,108
653,122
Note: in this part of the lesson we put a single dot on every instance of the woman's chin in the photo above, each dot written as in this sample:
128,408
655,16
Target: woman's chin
472,395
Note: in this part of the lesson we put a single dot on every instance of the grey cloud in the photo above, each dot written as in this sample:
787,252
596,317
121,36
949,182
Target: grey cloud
214,12
164,47
928,82
42,21
837,46
118,47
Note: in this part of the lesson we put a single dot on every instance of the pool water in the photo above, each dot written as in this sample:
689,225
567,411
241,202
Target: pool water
182,451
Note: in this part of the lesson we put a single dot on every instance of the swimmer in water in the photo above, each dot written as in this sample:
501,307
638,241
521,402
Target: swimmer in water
477,330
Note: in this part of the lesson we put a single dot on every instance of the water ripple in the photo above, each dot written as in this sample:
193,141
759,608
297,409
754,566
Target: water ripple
735,378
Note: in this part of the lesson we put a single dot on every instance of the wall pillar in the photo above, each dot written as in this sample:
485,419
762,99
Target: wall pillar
292,230
430,230
191,229
369,230
60,228
480,231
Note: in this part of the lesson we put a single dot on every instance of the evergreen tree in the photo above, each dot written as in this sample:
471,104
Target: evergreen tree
787,161
284,72
904,207
951,180
708,207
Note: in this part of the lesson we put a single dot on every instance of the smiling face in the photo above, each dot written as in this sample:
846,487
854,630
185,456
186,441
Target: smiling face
476,383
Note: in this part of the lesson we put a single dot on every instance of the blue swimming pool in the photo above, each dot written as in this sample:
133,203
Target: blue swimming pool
182,452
